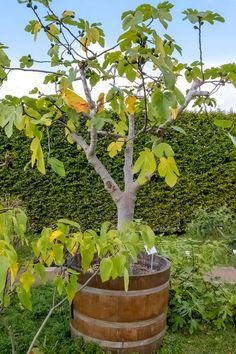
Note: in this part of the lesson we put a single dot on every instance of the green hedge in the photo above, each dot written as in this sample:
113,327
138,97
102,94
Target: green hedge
205,156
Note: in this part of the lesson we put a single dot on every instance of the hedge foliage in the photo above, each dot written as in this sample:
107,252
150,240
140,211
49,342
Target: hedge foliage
205,156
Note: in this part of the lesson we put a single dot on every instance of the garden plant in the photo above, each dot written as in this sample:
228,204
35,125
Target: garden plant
141,101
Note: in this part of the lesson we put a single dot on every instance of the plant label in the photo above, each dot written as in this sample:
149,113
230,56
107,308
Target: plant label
153,250
234,251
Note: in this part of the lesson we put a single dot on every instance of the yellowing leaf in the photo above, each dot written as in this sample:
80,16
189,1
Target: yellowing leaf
27,279
167,168
13,270
53,32
130,104
37,155
84,43
126,279
68,137
68,13
37,28
114,147
55,235
145,165
162,167
74,101
48,122
174,112
100,102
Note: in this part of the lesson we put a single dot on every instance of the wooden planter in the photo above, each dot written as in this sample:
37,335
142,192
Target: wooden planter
124,322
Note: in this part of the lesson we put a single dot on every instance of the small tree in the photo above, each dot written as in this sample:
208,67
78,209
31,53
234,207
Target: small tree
143,98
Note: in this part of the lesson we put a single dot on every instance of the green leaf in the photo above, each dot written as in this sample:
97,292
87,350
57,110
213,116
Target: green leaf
57,166
179,96
40,270
106,267
58,254
148,235
69,222
205,16
26,61
160,105
223,123
71,287
6,300
87,256
145,165
4,60
60,284
130,73
163,149
126,279
104,229
132,19
118,266
25,298
37,155
4,265
178,129
44,2
159,45
233,139
27,279
168,75
132,251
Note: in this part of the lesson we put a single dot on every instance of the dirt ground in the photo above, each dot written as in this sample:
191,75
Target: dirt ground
226,274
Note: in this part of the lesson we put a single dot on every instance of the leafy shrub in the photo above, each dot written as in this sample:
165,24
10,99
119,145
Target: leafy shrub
195,298
207,179
218,224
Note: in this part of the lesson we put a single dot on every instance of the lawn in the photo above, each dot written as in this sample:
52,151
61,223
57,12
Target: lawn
21,325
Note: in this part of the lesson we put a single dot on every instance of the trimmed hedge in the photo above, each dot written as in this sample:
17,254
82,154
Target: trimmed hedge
205,156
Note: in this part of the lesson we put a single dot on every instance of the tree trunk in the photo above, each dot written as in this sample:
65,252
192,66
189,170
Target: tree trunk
125,208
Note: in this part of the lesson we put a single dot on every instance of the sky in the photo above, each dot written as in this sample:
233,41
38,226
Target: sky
218,40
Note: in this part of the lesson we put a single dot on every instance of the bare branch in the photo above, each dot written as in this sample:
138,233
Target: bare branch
145,99
71,33
128,174
113,135
34,70
193,92
109,183
104,52
92,107
52,309
79,141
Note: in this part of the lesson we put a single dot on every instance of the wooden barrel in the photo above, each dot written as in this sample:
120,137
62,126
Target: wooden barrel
124,322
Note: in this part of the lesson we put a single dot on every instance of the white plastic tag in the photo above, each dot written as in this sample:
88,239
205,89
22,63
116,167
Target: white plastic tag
234,251
153,250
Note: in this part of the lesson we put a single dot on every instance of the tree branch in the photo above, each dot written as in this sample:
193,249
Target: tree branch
128,164
109,183
92,108
52,309
114,135
193,92
34,70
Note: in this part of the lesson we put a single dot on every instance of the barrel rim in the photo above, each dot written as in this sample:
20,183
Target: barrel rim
154,272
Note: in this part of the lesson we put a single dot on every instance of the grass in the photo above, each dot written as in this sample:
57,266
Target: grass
207,342
21,325
56,338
